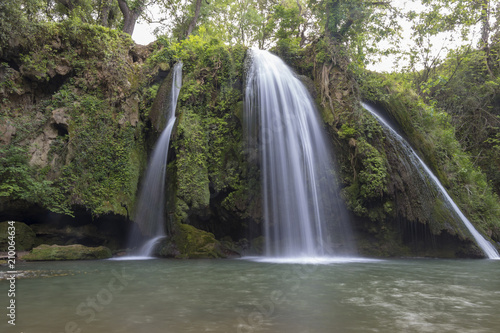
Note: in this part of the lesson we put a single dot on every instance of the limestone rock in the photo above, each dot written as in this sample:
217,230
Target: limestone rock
40,147
140,53
63,69
7,131
131,112
60,118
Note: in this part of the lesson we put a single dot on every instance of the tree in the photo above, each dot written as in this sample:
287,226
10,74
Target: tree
194,20
131,12
458,19
353,29
15,17
107,13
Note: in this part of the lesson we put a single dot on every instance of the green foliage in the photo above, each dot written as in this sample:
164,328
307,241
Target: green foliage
191,163
209,159
101,174
355,28
19,181
468,88
430,131
373,176
454,21
82,71
347,132
288,21
369,185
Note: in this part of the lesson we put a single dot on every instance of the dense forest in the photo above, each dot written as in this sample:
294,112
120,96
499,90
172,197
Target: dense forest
81,110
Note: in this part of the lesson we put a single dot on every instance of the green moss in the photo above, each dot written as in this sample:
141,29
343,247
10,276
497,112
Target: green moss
209,161
347,132
68,252
20,181
102,168
373,176
191,163
430,132
188,242
369,185
24,236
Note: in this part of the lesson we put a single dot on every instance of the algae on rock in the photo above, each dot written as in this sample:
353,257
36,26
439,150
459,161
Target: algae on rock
68,252
188,242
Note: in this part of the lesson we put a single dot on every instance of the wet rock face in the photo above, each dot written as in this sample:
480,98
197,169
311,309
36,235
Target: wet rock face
68,252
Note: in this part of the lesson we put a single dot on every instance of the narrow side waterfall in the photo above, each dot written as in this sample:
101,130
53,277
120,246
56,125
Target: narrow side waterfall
486,246
150,213
302,210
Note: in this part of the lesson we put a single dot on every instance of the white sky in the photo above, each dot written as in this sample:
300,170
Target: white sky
143,34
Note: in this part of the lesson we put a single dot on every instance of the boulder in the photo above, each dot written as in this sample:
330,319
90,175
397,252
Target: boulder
67,252
189,242
25,237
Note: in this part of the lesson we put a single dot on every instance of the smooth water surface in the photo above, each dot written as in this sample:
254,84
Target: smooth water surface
244,296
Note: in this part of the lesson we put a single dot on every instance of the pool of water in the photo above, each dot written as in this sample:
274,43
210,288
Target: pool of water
253,296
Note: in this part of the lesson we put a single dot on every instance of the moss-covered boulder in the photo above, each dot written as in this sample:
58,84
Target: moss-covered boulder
68,252
189,242
25,237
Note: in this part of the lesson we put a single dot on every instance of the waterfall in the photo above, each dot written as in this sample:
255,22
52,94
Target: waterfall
150,213
486,246
303,214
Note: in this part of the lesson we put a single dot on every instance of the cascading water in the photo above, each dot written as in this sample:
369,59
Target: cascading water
486,246
150,214
300,199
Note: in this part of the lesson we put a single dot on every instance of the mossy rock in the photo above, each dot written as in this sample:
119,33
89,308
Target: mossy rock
189,242
25,237
68,252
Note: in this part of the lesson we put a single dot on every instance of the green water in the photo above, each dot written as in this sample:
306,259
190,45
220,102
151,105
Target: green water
244,296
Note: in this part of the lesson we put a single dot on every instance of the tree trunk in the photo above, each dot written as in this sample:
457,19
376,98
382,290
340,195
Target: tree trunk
68,4
485,33
105,8
485,22
130,16
192,25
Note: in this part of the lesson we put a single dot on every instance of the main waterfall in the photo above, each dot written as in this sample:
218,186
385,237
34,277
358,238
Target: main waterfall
486,246
303,214
150,213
